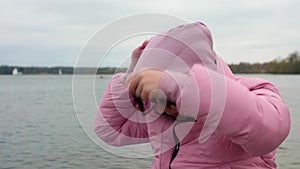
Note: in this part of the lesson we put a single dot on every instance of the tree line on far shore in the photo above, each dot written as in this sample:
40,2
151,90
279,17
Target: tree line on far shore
288,65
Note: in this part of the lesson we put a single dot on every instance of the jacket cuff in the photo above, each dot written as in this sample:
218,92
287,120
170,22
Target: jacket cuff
170,87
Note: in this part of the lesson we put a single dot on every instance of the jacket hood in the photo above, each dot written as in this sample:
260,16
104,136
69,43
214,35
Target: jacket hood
182,46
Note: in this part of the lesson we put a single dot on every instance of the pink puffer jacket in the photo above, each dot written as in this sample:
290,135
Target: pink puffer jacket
224,121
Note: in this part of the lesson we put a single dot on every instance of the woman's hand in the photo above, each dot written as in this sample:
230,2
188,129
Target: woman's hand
146,81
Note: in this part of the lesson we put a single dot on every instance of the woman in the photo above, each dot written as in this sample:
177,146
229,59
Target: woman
183,99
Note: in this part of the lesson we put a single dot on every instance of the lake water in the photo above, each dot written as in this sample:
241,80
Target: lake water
39,126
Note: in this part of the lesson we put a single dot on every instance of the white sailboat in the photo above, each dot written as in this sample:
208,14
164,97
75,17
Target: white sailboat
15,72
60,72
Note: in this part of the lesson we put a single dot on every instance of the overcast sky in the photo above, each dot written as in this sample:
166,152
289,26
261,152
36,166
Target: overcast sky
52,32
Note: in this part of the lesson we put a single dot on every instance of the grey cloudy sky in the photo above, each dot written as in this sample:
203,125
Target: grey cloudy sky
52,32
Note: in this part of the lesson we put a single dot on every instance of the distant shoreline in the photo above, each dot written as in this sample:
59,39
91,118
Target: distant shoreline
288,65
98,75
7,70
242,68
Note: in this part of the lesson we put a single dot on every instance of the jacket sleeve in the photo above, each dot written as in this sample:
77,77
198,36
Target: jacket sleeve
117,122
254,115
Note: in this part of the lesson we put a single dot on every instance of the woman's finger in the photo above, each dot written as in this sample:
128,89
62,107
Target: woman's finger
138,90
134,82
171,110
144,93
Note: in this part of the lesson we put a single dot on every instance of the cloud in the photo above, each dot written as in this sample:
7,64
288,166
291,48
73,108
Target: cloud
42,32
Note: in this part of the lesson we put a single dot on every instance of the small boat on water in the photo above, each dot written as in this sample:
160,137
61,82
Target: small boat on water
16,72
60,72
